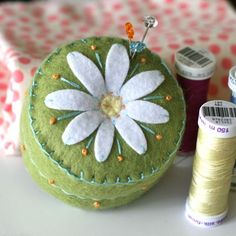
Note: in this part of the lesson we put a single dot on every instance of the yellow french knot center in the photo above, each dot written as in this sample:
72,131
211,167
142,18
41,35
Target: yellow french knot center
111,105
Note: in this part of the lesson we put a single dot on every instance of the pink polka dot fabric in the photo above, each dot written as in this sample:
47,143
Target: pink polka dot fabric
28,32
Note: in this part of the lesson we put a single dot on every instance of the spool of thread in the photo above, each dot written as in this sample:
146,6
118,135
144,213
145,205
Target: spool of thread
232,86
207,203
194,68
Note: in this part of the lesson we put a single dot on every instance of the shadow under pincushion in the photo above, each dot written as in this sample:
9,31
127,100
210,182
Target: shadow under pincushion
81,180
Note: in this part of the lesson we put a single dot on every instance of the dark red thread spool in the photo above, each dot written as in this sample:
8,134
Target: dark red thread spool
194,67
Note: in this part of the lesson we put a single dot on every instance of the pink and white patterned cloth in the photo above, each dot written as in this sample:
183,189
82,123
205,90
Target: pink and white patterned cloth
28,32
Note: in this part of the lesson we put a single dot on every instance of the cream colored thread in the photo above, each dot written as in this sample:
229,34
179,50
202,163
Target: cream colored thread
212,172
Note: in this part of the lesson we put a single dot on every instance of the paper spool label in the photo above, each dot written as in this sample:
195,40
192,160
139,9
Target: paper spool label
203,221
218,118
232,79
195,63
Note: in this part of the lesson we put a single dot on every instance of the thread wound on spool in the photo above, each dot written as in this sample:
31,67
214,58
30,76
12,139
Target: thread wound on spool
232,86
213,163
195,94
194,67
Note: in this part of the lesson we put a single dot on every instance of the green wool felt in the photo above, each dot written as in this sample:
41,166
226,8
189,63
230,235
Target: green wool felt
81,180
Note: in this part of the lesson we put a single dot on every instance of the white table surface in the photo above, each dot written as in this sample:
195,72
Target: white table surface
26,210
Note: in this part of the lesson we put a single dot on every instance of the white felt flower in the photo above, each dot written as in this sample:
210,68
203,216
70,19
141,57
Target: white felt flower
111,104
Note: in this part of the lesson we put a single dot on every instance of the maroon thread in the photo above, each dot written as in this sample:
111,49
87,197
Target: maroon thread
195,94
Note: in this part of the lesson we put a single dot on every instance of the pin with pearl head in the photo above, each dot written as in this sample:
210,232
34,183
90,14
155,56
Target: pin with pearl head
149,22
138,46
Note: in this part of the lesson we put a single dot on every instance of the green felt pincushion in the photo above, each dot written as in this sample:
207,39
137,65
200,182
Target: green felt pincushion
98,128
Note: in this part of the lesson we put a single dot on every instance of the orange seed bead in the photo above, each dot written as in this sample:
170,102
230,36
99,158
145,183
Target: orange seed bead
97,204
120,158
53,120
144,187
84,152
158,137
93,47
143,60
168,98
56,76
22,148
51,181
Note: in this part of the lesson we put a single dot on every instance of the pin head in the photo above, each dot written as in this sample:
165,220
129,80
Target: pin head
150,21
129,30
137,46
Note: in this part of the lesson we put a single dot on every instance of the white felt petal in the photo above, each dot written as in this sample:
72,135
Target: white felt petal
117,67
104,140
81,127
87,72
70,99
146,112
131,133
141,85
